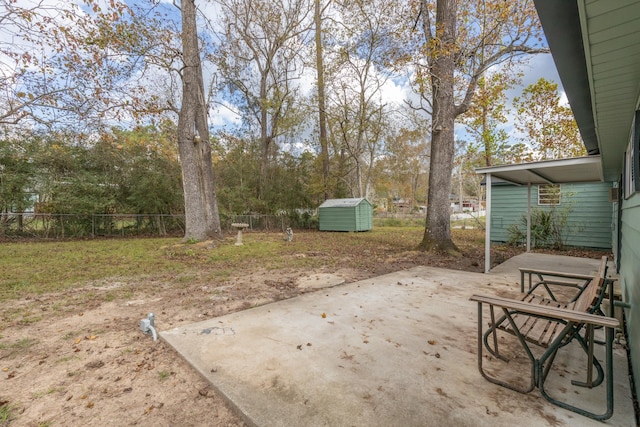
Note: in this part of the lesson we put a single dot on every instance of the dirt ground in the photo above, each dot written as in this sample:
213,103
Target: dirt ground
86,361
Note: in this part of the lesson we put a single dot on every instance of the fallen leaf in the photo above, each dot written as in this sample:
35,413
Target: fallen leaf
95,364
431,342
324,315
89,405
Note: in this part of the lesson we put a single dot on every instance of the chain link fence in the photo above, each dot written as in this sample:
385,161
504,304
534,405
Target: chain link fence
63,226
275,223
73,226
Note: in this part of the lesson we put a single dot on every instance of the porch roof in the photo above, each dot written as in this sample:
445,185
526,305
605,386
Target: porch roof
563,171
577,169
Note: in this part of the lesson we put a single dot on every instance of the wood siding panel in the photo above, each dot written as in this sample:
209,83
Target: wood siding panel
508,205
589,222
630,276
346,218
337,219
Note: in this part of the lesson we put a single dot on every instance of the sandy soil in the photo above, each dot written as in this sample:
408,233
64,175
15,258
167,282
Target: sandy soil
83,360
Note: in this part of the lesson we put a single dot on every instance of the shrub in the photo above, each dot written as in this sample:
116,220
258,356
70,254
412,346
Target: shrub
548,228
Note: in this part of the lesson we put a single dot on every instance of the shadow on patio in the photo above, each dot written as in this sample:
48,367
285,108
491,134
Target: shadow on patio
393,350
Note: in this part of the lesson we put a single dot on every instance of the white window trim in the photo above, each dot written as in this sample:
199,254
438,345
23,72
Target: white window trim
543,203
631,161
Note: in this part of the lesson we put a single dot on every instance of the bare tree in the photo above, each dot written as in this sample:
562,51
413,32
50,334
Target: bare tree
62,66
458,47
357,111
201,206
260,62
322,108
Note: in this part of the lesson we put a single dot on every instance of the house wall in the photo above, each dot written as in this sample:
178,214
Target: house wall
590,212
630,277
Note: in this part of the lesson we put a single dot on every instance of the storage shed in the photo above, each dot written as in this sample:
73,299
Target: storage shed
354,214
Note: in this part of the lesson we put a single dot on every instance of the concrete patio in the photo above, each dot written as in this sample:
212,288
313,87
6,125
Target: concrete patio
393,350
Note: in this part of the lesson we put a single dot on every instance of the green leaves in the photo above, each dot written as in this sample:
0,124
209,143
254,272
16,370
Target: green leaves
549,125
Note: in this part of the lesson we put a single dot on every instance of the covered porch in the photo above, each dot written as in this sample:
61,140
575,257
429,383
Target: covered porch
562,171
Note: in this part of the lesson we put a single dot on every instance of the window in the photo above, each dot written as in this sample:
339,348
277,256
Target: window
632,160
548,194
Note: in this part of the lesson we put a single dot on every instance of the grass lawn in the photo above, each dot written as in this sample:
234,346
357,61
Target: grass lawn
32,267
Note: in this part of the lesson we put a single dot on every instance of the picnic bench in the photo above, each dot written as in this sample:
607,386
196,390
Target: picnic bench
546,277
541,319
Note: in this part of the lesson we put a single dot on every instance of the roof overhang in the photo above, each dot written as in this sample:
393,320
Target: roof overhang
564,171
562,29
596,48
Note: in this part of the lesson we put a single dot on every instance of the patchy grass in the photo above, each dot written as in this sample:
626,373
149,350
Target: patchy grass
80,301
6,414
39,267
164,375
30,269
23,344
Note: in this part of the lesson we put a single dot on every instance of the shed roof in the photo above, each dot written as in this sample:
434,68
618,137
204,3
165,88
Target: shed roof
335,203
577,169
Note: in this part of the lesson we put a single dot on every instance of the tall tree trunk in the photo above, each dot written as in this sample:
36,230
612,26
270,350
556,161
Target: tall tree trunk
437,234
200,202
322,119
487,138
265,139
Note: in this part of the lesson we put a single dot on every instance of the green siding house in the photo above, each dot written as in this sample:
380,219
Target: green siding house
354,214
596,47
586,207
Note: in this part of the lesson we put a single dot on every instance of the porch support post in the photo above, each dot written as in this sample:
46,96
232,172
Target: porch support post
487,227
529,217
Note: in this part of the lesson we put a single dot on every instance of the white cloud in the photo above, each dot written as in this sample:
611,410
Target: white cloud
395,93
224,114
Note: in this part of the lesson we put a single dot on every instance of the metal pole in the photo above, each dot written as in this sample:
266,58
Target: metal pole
529,217
487,238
